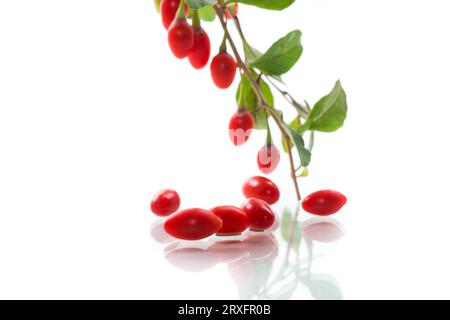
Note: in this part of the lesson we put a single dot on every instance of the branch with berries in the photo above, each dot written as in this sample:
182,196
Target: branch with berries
260,74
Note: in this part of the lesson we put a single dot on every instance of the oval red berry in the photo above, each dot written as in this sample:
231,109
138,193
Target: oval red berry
233,9
193,224
268,158
169,10
261,188
259,213
165,202
223,70
240,127
181,38
324,202
199,55
234,220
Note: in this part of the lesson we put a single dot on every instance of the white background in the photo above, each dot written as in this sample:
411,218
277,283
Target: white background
96,115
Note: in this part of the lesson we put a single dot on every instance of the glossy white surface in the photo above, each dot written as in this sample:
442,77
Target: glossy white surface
96,116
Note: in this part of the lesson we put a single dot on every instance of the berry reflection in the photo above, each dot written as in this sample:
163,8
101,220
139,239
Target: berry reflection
251,258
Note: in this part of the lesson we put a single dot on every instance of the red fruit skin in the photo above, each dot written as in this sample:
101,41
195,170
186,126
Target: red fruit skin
181,38
268,158
193,224
233,8
240,127
169,10
261,188
223,70
234,220
201,51
259,213
165,202
324,202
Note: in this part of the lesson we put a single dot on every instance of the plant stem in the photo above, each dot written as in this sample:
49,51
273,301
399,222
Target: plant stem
180,13
196,24
302,110
269,134
259,95
223,45
239,29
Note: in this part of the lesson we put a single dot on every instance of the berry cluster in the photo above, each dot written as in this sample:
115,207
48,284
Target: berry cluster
192,41
254,214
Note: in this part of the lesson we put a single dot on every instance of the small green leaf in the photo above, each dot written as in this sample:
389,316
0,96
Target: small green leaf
246,98
207,13
305,173
251,54
296,125
329,113
285,147
281,56
304,154
197,4
278,78
267,93
268,4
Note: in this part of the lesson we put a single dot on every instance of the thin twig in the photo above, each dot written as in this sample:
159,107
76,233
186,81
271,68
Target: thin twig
302,110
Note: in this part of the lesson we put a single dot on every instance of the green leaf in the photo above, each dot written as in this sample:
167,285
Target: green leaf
207,13
304,174
281,56
267,93
329,113
251,54
268,4
246,98
287,221
197,4
304,154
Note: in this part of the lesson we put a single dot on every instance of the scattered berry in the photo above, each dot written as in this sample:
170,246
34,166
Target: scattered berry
165,202
324,202
261,188
259,213
193,224
234,220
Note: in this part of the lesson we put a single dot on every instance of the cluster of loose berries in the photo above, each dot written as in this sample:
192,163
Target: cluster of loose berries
254,214
195,224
